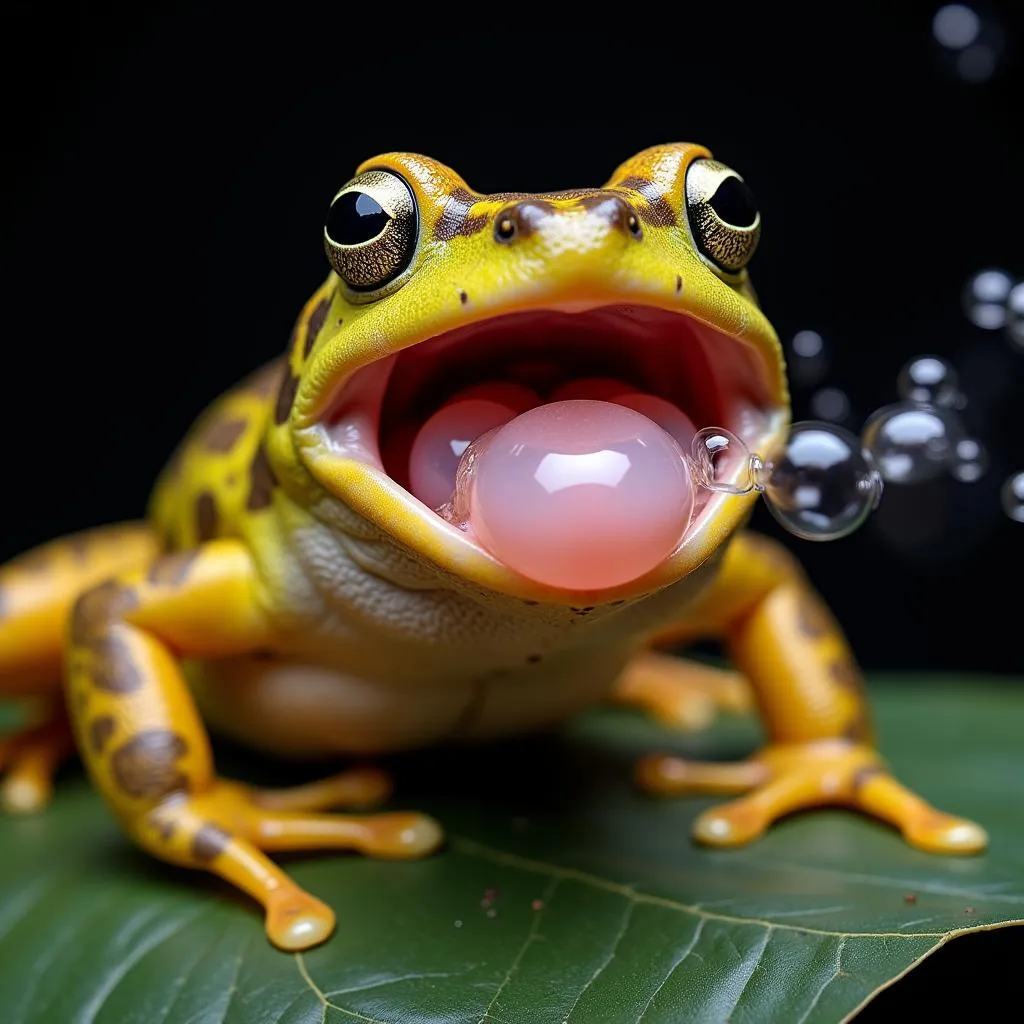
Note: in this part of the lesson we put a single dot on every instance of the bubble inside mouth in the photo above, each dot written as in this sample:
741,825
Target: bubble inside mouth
556,440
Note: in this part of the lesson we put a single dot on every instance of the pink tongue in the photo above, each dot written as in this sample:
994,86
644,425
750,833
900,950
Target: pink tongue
581,494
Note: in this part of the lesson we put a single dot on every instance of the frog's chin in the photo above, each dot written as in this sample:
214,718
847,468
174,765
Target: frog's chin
360,448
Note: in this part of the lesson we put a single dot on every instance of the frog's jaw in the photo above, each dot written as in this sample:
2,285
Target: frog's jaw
716,378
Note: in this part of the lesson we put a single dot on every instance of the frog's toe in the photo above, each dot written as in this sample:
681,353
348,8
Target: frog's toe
785,778
943,833
665,775
399,835
363,786
879,794
747,818
403,835
296,921
681,694
28,761
25,793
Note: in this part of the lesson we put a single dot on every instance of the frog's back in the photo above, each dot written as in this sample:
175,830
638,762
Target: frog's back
201,493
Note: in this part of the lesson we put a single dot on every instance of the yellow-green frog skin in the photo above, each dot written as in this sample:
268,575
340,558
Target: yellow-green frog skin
290,592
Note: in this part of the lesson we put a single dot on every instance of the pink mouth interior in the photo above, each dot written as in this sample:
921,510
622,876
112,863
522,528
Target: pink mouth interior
581,421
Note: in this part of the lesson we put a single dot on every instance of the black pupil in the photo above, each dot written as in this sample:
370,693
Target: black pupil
355,217
734,203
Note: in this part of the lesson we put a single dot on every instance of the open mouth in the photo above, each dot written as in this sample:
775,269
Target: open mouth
532,379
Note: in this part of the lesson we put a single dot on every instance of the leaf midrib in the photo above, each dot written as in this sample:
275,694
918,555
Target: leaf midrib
471,848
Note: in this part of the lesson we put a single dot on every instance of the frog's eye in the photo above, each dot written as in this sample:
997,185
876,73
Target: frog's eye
722,214
370,234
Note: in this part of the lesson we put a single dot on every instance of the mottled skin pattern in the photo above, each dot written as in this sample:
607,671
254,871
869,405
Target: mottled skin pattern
306,604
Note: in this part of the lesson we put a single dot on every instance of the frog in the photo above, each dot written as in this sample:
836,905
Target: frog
291,588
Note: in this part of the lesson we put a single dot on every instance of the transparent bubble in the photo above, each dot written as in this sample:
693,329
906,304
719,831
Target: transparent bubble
970,461
977,63
721,462
972,43
808,359
956,26
985,296
830,404
1013,497
808,344
929,380
822,486
911,443
456,509
1015,315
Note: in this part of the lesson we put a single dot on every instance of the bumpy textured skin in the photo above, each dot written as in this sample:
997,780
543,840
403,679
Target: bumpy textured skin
305,606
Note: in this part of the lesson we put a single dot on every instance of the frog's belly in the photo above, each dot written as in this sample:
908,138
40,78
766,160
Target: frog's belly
307,710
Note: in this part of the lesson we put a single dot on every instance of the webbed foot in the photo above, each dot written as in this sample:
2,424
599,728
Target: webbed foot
681,694
29,759
783,778
229,828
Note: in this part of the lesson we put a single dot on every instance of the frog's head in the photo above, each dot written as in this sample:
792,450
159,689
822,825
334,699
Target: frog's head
436,289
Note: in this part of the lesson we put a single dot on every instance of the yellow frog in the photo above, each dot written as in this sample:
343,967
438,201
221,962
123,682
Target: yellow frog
292,590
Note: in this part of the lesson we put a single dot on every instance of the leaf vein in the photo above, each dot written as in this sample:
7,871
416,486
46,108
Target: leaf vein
24,903
753,970
623,928
773,914
887,882
835,974
399,979
154,940
683,955
61,938
471,848
546,897
239,960
919,920
300,963
180,982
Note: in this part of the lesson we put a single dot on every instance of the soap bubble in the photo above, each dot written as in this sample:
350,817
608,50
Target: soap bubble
985,296
830,404
1013,497
721,461
970,460
956,26
911,443
822,486
808,359
1015,315
456,509
929,380
977,63
972,44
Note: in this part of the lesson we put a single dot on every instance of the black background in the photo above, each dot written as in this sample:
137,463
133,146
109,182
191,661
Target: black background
172,165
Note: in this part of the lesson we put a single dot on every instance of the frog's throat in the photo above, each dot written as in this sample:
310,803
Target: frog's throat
716,378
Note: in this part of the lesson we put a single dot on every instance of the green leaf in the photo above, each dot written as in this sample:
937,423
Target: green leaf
602,909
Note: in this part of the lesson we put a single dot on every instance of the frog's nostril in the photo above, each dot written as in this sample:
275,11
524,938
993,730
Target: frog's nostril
524,218
617,214
521,220
505,229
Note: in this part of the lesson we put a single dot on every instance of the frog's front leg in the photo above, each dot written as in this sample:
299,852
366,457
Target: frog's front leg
808,688
147,751
37,592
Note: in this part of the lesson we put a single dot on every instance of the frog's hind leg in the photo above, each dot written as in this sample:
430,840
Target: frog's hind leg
808,687
148,753
228,827
37,591
679,693
30,757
